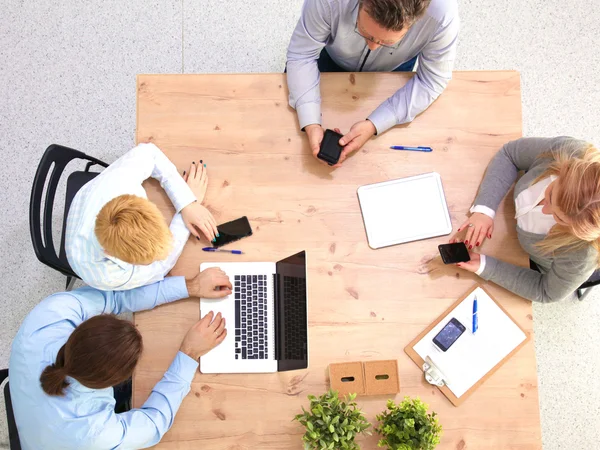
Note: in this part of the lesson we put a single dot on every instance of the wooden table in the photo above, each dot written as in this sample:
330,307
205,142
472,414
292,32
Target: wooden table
363,304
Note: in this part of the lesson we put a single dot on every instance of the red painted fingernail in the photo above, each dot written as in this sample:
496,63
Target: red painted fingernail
466,242
470,247
477,245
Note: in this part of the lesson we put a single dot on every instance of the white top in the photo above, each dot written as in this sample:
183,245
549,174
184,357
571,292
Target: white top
529,213
125,176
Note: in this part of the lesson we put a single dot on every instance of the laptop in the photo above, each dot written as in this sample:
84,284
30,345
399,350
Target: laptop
266,315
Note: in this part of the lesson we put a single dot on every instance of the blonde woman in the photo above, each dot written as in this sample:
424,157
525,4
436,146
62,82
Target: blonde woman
557,204
116,239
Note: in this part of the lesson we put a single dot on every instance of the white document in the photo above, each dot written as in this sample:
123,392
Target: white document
404,210
472,355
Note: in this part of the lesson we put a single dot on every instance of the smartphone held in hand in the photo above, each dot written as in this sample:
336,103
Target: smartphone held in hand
331,149
233,231
454,253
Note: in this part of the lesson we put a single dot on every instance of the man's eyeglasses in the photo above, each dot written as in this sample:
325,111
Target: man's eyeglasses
374,41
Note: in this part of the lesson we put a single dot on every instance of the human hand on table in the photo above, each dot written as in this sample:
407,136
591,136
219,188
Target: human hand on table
210,283
315,133
197,217
478,227
204,335
197,179
473,264
354,140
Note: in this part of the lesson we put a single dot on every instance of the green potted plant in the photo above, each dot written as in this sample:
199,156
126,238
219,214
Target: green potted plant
332,423
408,426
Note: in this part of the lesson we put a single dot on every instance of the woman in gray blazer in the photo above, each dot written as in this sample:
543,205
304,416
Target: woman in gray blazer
557,204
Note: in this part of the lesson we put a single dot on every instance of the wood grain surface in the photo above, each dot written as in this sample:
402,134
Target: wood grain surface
364,304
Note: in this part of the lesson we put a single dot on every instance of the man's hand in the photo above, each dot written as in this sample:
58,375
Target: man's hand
210,283
204,335
358,135
315,132
473,264
197,217
197,179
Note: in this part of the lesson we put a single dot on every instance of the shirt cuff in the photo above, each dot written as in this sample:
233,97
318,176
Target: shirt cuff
383,118
178,225
177,287
483,210
308,114
481,265
180,194
184,367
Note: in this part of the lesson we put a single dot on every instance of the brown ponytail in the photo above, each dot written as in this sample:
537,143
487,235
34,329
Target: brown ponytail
53,377
101,352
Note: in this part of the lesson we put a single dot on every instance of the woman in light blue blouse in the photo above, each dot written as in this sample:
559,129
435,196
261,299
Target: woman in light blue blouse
71,350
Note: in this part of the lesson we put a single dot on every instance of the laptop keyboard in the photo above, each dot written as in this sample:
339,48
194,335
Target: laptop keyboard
251,339
294,293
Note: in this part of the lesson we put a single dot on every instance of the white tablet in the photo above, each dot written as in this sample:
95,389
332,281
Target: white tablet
404,210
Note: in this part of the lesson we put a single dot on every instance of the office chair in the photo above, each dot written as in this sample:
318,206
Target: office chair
583,290
50,169
13,434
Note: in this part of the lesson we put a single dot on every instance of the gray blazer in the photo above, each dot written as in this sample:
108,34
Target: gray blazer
563,272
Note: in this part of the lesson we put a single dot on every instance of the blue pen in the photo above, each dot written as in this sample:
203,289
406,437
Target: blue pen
213,249
414,149
475,323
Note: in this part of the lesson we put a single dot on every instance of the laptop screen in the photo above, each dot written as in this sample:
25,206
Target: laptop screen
291,330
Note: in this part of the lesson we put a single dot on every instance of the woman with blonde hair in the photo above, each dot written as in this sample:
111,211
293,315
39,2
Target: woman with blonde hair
117,239
557,205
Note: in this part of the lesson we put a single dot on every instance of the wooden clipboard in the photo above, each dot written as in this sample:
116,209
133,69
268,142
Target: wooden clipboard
457,401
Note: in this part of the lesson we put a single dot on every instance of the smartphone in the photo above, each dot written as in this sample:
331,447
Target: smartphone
233,231
449,334
330,147
454,253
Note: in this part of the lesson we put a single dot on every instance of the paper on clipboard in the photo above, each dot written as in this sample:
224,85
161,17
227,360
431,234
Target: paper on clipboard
473,355
404,210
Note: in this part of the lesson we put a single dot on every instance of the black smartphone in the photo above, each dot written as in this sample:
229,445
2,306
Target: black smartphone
233,231
449,334
454,253
330,147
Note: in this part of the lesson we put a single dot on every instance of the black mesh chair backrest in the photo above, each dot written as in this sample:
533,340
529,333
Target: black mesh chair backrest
51,168
13,434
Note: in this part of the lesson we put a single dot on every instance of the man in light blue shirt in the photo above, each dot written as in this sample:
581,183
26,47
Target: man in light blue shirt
77,416
371,36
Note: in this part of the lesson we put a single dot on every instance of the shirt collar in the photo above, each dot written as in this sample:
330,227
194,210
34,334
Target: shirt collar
119,262
530,197
122,264
77,386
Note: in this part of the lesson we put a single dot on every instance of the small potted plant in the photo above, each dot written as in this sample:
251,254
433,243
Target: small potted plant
408,426
332,423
